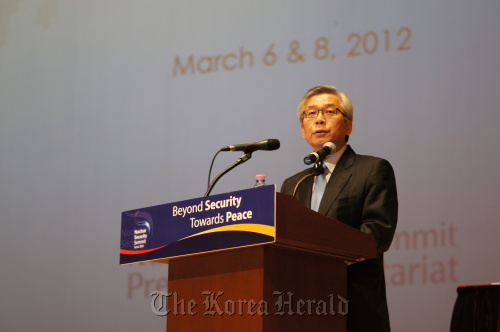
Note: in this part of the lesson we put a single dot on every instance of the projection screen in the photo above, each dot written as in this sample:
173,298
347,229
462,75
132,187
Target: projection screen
108,106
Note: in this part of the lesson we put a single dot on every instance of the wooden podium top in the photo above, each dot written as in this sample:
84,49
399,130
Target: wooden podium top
301,227
233,220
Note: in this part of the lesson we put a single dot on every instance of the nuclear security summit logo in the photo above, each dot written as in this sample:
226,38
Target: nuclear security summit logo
138,229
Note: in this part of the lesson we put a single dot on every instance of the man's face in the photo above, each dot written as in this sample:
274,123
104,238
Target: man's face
317,131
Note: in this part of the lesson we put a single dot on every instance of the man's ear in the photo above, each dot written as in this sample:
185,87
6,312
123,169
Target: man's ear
349,130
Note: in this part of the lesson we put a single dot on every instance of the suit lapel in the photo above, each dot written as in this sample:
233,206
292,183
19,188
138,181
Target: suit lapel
338,180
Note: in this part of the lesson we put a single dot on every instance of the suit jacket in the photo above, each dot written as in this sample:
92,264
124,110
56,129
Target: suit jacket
361,193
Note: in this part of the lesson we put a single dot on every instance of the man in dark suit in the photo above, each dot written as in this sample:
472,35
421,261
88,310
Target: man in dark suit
360,191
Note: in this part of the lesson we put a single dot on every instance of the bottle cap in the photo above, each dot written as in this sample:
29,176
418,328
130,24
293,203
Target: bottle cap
260,177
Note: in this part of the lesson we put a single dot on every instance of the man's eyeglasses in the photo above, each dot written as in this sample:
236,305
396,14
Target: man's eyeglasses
329,112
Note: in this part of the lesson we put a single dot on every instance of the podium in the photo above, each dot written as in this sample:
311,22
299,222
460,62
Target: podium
477,308
296,282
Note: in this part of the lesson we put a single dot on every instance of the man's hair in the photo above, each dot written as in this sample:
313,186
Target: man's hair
345,102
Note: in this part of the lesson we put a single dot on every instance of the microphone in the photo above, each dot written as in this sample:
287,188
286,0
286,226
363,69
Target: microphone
266,145
328,148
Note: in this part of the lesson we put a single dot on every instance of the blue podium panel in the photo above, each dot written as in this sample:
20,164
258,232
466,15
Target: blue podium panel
223,221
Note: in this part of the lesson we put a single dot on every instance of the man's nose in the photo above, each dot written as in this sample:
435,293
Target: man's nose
320,118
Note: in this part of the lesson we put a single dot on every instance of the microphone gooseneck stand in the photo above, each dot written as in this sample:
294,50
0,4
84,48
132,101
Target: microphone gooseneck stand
240,161
317,171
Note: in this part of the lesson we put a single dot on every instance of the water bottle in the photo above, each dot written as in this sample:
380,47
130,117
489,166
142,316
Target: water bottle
260,180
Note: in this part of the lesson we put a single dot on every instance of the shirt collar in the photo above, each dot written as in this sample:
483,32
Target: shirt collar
333,159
